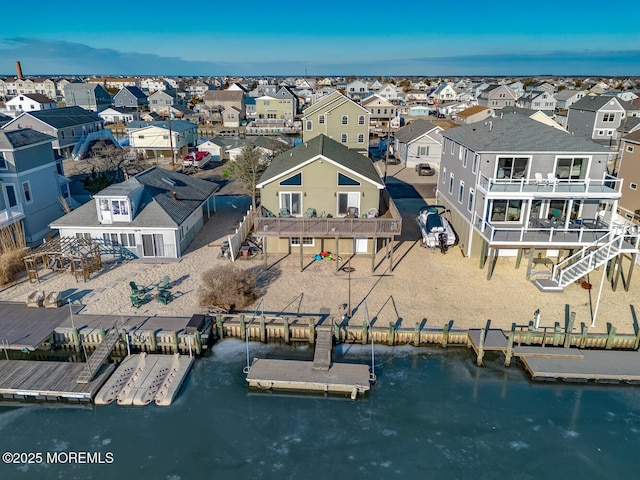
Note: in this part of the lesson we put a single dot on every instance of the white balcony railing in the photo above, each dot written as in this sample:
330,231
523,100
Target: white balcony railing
11,215
549,187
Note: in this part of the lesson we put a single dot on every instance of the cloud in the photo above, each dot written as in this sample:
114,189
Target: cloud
54,57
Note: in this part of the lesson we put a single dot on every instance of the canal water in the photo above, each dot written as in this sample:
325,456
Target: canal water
432,414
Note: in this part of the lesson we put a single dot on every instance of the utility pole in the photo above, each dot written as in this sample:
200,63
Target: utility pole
173,155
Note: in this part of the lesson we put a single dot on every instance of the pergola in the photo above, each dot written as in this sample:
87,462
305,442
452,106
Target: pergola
79,256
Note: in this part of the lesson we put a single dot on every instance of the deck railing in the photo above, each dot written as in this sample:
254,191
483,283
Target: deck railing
606,184
327,227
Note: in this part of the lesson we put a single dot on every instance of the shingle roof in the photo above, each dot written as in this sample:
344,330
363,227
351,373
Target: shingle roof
157,207
467,112
517,133
10,140
176,125
633,137
64,117
223,95
328,148
593,103
415,129
38,97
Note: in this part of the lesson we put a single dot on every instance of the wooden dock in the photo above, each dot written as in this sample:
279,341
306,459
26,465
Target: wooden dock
324,347
600,365
48,381
143,379
294,375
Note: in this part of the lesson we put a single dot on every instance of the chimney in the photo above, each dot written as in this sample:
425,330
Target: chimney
174,195
19,71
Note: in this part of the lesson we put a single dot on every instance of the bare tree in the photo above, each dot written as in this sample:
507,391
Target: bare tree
227,287
248,167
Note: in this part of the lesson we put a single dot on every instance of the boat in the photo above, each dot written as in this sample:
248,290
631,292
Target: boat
436,230
197,159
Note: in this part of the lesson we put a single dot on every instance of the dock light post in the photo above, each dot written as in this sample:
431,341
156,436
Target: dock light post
246,333
372,375
537,316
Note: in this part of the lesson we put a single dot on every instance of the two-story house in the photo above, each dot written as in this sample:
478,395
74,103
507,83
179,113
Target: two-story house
339,118
89,96
513,183
275,110
477,113
29,102
161,101
155,215
538,100
166,140
599,117
130,97
629,170
119,115
322,196
216,101
444,93
565,98
419,142
497,97
32,182
70,126
357,89
389,92
381,110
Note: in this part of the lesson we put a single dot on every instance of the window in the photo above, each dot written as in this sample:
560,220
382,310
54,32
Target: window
506,210
629,149
344,138
600,133
84,236
11,195
361,138
141,137
309,125
306,241
345,120
571,168
153,245
344,181
26,188
320,119
633,186
451,178
423,151
361,120
444,175
476,161
119,207
460,192
291,203
512,168
464,158
348,200
294,180
461,152
453,146
470,203
128,239
58,168
608,117
3,161
110,238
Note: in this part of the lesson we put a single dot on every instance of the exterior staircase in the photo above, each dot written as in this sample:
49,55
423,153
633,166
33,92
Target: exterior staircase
324,346
99,355
623,239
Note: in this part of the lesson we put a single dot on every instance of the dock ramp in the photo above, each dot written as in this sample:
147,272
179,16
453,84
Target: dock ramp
324,347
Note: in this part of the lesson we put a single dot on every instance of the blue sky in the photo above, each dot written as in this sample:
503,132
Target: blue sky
321,38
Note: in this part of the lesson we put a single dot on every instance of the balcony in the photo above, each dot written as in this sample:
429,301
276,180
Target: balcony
11,215
542,233
606,187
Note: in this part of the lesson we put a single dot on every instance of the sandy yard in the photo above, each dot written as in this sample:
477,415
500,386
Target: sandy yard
424,285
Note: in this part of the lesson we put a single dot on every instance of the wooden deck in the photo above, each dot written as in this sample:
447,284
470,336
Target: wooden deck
294,375
52,381
599,365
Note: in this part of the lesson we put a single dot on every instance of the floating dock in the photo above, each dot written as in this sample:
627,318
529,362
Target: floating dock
143,379
339,378
48,381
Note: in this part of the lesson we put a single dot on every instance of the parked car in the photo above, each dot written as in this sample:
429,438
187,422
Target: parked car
425,170
393,160
441,115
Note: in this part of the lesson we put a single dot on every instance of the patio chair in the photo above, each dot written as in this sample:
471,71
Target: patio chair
136,300
310,213
164,296
135,290
165,284
538,177
284,212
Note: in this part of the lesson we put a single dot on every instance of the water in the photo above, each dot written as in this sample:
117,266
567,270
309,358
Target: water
432,414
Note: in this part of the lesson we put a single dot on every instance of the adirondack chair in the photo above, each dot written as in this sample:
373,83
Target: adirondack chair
135,290
165,284
164,296
136,300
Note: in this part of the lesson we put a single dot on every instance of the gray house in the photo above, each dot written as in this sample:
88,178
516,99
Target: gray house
90,96
130,97
154,215
599,117
31,182
497,96
419,142
70,127
513,183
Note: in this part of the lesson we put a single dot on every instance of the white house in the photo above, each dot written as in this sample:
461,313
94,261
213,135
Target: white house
419,142
154,215
29,102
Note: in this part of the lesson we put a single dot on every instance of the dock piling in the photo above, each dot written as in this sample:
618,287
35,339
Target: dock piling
480,347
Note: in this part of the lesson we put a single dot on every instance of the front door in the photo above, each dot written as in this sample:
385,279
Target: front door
153,245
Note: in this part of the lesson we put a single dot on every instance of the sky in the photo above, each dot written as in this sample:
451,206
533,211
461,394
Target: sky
363,38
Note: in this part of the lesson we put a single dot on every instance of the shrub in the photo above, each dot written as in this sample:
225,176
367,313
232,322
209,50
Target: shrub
228,287
11,262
